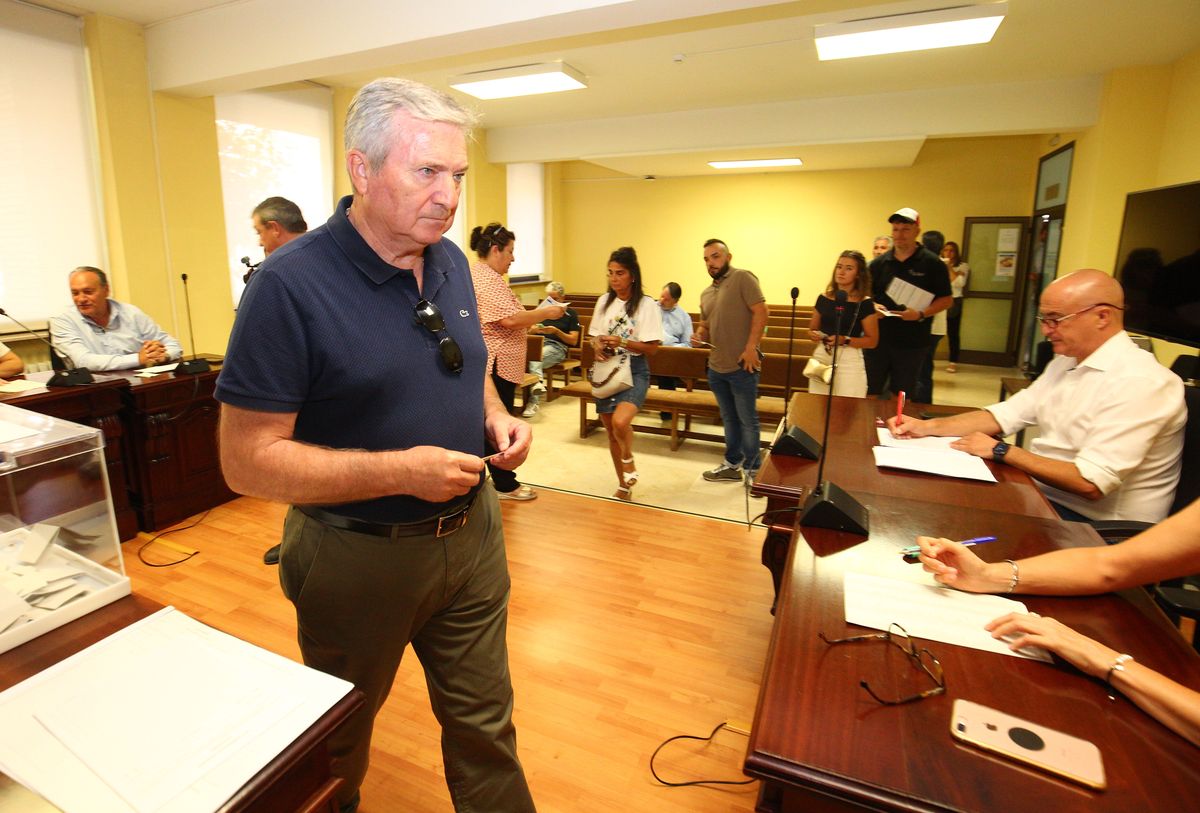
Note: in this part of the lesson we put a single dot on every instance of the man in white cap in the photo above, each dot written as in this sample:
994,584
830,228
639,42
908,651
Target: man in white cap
909,285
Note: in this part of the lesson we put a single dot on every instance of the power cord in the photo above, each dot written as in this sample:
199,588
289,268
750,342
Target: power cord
721,725
156,537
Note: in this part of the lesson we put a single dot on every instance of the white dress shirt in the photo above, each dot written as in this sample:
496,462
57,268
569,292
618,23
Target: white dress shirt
114,347
1119,416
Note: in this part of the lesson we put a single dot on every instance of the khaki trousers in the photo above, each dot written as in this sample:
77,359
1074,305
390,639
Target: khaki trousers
361,599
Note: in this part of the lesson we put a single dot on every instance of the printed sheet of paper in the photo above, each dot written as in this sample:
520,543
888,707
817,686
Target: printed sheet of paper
931,461
166,715
909,295
886,438
21,385
931,613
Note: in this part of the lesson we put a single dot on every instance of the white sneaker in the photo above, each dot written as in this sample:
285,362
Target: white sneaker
540,386
531,410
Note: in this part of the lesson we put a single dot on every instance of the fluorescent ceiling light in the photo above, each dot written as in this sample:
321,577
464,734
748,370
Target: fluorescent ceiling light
757,162
919,31
522,80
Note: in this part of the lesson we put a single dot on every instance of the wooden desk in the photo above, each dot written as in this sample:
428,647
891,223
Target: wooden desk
298,779
171,424
820,743
98,405
850,463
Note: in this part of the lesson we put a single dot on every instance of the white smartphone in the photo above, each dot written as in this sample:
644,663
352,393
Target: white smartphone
1041,747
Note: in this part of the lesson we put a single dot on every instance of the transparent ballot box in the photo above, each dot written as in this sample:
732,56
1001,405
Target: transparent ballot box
60,557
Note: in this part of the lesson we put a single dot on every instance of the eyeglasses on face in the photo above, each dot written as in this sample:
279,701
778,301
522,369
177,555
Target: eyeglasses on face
923,658
1051,322
428,315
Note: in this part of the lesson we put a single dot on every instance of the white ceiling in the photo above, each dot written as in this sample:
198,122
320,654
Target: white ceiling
674,83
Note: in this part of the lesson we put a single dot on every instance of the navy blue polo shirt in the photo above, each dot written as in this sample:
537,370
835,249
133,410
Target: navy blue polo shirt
326,329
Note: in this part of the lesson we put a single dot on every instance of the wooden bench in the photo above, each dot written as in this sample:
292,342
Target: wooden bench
690,364
533,350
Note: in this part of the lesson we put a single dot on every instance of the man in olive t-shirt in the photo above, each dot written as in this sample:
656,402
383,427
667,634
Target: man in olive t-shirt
733,313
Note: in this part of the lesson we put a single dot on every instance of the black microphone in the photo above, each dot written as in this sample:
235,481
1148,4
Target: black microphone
246,277
70,377
829,506
790,441
193,365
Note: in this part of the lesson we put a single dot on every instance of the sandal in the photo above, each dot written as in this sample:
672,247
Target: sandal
624,493
630,477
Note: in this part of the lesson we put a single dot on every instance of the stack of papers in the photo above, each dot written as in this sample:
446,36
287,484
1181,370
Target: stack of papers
165,715
929,455
931,613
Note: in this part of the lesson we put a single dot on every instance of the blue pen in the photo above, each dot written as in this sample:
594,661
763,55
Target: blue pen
913,550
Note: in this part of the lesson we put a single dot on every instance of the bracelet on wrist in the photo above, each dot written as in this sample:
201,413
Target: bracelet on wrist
1016,576
1118,665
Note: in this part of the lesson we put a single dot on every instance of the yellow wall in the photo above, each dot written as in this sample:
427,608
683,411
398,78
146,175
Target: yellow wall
1146,137
786,227
116,52
195,219
487,186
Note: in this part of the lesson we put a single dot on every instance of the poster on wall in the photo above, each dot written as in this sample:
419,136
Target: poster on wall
1006,239
1006,264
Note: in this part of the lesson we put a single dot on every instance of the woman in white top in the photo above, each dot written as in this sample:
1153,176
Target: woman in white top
959,271
858,331
625,321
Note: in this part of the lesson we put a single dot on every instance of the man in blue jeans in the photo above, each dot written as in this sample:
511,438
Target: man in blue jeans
733,313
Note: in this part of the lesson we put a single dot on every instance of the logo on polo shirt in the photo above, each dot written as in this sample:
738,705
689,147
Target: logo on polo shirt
464,313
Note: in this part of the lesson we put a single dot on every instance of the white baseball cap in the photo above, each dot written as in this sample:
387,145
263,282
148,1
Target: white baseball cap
911,215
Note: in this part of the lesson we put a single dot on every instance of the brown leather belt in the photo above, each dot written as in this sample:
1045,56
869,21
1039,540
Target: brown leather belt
439,526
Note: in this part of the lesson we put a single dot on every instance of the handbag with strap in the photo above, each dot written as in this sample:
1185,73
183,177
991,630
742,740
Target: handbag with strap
610,376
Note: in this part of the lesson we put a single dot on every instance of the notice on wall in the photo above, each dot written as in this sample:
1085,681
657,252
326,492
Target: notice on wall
1007,239
1006,264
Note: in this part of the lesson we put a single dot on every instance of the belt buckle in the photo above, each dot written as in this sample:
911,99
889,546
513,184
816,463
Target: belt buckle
452,522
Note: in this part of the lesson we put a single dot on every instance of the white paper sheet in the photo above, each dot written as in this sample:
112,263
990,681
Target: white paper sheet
21,385
908,295
157,369
166,715
947,464
886,438
930,612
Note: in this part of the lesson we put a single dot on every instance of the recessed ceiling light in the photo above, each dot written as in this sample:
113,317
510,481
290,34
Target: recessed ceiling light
919,31
756,162
521,80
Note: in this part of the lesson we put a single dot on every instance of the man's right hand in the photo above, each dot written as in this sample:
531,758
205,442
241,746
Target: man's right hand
435,474
907,426
152,353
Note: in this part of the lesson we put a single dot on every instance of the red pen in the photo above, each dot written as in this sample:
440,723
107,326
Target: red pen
899,407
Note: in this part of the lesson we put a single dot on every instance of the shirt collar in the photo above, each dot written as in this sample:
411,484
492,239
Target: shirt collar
114,317
1108,355
372,265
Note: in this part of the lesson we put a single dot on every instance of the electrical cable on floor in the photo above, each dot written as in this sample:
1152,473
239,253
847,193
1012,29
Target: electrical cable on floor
155,538
692,782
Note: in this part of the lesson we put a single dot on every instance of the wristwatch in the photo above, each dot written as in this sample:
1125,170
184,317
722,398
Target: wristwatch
999,451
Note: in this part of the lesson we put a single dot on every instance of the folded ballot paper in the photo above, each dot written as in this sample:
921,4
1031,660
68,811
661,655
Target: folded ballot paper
165,715
929,455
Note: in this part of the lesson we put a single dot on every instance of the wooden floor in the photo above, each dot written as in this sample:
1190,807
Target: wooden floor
627,625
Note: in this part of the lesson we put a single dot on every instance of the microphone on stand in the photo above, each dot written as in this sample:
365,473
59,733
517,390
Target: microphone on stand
829,506
791,441
193,365
252,268
72,376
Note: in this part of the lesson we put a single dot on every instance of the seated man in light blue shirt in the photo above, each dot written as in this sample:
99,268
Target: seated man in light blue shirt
104,334
677,331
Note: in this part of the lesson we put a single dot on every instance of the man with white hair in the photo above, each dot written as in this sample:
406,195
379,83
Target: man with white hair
1111,417
558,337
354,388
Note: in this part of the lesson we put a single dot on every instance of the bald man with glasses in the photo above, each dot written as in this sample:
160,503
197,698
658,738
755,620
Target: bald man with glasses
1111,418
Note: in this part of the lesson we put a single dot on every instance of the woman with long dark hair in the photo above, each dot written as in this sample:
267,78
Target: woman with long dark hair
625,321
858,331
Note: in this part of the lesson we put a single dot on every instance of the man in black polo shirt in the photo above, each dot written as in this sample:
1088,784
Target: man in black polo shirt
902,279
354,389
